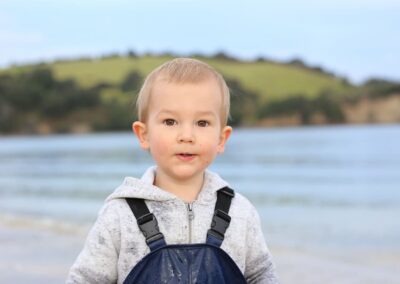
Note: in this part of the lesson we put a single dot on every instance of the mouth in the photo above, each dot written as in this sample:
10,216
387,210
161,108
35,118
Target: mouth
186,156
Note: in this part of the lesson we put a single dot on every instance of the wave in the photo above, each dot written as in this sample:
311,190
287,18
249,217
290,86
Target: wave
44,223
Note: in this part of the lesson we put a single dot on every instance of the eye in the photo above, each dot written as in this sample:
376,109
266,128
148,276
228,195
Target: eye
203,123
169,122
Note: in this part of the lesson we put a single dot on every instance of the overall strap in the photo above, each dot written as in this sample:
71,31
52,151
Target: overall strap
221,219
147,223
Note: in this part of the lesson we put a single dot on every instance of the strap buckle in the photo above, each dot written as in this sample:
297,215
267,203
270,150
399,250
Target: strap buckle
220,223
226,190
149,226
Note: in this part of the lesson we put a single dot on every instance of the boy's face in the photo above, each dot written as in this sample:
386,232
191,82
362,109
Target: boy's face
183,130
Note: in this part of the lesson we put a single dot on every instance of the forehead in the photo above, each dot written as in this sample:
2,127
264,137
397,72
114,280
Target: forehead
200,96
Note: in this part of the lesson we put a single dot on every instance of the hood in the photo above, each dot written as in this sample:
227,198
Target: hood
144,188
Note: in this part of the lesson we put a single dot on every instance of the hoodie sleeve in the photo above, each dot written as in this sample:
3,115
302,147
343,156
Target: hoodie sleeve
259,265
97,262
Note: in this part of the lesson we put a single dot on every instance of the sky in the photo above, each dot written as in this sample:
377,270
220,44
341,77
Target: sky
357,39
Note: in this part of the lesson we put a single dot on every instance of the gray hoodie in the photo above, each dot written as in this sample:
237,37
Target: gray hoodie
115,244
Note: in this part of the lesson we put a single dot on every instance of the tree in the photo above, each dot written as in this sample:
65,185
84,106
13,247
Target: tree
327,104
131,82
296,104
243,103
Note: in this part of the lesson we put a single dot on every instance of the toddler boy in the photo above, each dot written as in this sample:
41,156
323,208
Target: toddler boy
183,108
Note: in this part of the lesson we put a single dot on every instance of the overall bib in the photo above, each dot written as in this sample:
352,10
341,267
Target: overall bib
187,263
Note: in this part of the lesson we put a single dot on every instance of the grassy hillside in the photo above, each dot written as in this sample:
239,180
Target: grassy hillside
278,81
270,81
98,94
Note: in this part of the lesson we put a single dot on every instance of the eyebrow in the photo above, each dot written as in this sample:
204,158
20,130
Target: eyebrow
207,112
166,111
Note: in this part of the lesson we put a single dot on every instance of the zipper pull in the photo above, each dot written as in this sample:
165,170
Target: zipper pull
190,218
190,211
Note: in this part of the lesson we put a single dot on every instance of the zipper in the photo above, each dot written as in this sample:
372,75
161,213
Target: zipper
190,219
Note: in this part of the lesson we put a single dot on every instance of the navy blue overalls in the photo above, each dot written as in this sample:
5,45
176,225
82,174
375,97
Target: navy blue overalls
187,263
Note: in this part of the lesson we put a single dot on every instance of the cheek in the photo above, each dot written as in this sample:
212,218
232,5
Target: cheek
160,147
209,150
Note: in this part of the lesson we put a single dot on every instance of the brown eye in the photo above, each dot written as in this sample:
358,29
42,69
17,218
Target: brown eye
169,122
203,123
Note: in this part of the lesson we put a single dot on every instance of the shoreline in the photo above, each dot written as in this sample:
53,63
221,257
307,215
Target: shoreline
43,254
35,254
239,127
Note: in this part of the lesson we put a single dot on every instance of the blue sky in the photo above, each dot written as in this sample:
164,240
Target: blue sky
354,38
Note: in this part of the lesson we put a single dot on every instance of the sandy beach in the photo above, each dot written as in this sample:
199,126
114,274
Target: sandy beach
42,252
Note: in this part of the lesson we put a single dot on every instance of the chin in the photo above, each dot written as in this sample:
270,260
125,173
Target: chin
183,173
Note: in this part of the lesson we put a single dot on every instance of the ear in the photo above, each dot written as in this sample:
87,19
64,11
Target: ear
140,130
224,136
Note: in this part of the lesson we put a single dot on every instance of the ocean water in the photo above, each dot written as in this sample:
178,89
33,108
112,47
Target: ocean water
336,186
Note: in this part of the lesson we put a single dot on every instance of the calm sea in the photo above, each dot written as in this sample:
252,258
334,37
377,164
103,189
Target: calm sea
320,186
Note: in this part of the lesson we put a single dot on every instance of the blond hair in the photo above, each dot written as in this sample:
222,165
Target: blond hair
182,70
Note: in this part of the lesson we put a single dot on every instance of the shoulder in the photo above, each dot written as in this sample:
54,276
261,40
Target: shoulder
113,213
113,207
241,205
241,200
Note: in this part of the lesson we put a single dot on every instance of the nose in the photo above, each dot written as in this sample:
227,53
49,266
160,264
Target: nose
186,134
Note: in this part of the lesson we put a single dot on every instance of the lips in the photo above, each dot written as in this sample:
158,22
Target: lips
186,156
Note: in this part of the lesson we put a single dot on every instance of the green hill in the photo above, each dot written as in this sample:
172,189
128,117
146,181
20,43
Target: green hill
268,79
98,94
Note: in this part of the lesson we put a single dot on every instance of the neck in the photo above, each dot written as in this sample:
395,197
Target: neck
187,190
